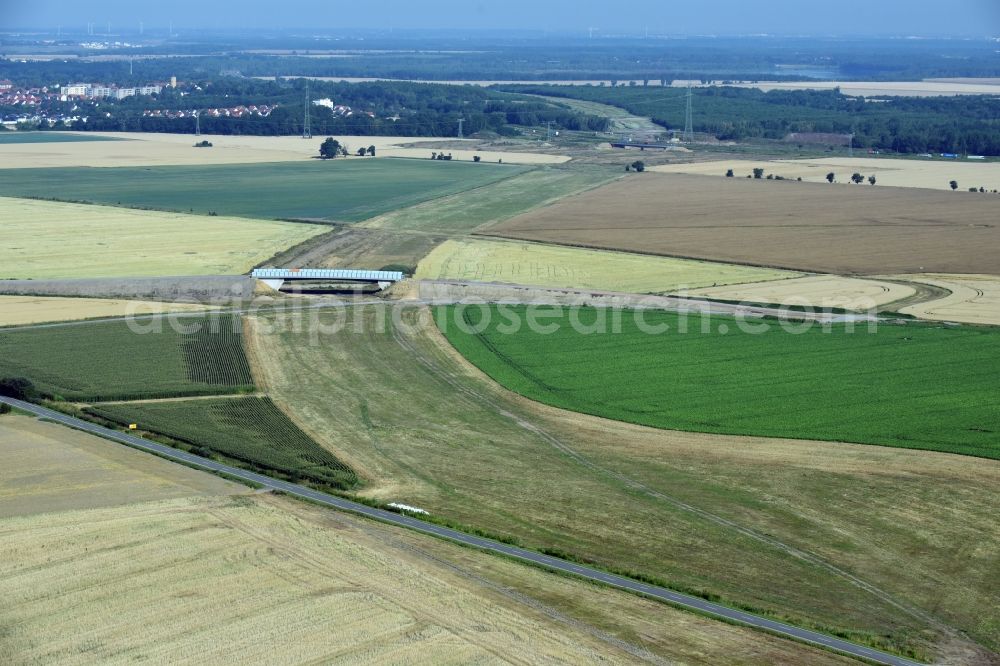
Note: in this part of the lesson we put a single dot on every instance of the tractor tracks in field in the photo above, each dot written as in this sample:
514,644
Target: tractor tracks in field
480,398
636,651
313,560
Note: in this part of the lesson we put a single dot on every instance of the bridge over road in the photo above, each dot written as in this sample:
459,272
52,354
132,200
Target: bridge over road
276,277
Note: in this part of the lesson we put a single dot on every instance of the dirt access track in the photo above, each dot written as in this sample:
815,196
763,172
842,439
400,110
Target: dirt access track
786,224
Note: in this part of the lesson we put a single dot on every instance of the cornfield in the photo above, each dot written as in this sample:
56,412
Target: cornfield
111,361
250,430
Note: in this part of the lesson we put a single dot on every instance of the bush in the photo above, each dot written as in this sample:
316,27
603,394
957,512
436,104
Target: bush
19,388
729,173
402,268
758,173
5,408
639,166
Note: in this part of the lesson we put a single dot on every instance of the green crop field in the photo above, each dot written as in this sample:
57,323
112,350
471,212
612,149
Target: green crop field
337,190
915,386
109,361
497,201
248,429
49,137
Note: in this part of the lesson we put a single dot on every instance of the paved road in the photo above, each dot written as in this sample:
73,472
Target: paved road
663,594
507,293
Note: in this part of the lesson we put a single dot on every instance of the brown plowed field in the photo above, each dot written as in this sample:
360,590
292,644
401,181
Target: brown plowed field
788,224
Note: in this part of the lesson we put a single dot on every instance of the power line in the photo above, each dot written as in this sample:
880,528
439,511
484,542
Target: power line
306,124
688,117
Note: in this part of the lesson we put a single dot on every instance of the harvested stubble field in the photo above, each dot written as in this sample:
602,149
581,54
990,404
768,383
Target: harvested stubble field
264,579
341,190
704,374
19,310
47,468
819,291
45,239
801,226
578,268
920,173
974,299
927,88
8,138
424,427
156,149
250,430
122,360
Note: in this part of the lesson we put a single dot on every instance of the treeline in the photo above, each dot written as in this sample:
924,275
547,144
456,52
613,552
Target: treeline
960,124
377,108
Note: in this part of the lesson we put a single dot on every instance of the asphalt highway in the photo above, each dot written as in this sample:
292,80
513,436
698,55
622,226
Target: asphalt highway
565,566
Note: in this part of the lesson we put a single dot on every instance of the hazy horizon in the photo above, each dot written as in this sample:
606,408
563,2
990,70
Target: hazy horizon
921,18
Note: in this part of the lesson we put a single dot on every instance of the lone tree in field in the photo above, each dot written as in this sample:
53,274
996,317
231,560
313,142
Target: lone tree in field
330,149
830,177
954,184
371,150
730,174
362,152
871,179
857,178
639,166
758,173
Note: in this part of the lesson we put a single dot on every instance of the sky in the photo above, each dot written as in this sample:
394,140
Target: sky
701,17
